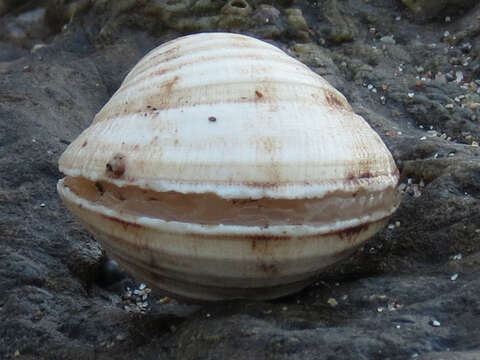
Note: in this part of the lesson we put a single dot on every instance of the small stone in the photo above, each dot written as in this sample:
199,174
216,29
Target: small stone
387,39
332,302
42,205
391,227
459,76
142,286
454,277
448,19
397,326
419,69
411,94
164,300
379,309
423,138
397,223
475,144
207,315
449,106
120,337
435,323
457,257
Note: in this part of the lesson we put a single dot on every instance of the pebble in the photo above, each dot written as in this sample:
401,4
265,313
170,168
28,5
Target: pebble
459,77
388,39
457,257
411,94
136,300
120,337
435,323
332,302
454,277
423,138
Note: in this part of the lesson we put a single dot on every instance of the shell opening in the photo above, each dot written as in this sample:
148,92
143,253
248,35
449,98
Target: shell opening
211,209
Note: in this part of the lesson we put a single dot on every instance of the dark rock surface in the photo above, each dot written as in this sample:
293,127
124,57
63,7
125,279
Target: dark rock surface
413,291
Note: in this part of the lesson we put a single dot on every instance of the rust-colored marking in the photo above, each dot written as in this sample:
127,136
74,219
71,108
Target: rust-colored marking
264,185
115,168
258,94
334,100
268,269
352,232
169,85
124,223
365,175
84,143
269,144
212,119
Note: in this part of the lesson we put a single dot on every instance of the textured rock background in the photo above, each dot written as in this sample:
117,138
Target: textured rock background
416,82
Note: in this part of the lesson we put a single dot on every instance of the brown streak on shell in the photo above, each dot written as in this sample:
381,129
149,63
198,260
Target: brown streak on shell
350,234
334,100
125,224
217,94
169,85
268,268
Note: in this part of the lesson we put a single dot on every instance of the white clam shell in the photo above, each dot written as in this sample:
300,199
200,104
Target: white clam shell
212,120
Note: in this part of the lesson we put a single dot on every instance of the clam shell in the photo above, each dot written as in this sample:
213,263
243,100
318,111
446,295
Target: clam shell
224,168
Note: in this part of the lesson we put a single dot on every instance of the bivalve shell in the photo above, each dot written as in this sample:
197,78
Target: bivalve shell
223,168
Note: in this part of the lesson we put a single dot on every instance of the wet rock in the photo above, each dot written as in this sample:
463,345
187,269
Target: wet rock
428,9
298,23
336,27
